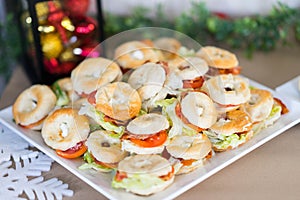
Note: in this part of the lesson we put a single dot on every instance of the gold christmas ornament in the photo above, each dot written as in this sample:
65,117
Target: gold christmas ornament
51,45
42,9
67,55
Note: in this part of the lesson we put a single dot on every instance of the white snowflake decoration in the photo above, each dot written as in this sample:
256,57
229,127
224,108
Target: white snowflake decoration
21,170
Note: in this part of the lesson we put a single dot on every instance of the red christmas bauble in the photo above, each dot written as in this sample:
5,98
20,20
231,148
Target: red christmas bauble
84,26
90,50
55,18
76,7
53,66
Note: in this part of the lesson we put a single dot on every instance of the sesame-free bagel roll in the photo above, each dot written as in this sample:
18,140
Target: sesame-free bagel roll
148,80
93,73
219,60
105,150
227,91
259,105
33,105
146,134
191,70
168,46
118,100
144,174
197,110
231,130
188,152
132,54
64,129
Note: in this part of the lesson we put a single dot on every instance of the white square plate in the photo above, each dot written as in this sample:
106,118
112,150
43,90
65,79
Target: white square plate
102,182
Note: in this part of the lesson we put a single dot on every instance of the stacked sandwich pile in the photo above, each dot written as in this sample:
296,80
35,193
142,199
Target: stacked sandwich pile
156,111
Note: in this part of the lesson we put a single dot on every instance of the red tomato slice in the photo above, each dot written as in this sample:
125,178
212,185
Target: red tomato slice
152,141
91,98
235,70
120,176
168,176
187,162
73,152
107,165
283,106
195,83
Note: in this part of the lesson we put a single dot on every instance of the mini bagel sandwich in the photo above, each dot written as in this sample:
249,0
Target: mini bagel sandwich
150,81
143,174
263,108
93,73
168,46
112,106
190,115
146,134
104,152
33,105
230,131
219,60
191,70
65,131
228,91
133,54
189,152
259,105
197,111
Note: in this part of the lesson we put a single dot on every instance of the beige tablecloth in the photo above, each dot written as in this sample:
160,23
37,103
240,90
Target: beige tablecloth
272,171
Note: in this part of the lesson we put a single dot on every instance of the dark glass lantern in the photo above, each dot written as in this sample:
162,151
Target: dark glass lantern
58,35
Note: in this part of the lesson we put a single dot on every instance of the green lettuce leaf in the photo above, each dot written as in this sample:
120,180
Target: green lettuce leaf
91,164
90,111
137,181
119,130
273,116
165,102
221,141
62,97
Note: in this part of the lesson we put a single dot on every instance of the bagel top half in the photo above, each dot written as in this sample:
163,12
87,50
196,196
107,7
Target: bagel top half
148,124
132,54
198,109
64,128
189,147
148,79
168,46
92,73
259,105
227,89
118,100
218,58
33,104
105,148
189,68
151,164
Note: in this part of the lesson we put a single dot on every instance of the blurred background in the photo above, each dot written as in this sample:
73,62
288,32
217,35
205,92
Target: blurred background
47,39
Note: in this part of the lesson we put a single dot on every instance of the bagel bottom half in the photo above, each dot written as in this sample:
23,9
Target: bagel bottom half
188,152
224,143
144,174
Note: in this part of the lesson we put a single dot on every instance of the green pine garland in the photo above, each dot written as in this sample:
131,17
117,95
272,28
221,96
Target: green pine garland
10,45
249,33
